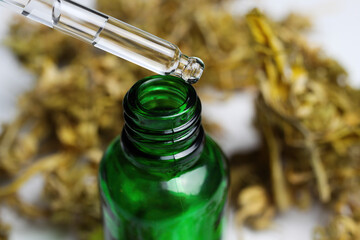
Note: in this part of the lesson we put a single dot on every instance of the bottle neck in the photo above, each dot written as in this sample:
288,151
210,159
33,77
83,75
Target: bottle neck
162,123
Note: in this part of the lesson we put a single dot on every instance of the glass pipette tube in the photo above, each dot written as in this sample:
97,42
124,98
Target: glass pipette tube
111,35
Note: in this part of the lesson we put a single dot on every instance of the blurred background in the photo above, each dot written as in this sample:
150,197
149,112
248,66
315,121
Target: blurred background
42,73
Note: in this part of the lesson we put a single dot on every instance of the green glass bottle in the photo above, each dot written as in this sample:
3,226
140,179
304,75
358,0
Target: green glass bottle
163,178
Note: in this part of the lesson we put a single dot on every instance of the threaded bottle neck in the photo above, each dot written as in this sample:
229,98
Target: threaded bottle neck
162,121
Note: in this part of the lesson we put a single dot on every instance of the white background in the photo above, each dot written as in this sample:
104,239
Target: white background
336,29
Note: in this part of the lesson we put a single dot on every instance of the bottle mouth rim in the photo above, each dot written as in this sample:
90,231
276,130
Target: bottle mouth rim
162,119
165,96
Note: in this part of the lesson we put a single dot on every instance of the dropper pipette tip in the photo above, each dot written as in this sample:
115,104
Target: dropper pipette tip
195,70
189,69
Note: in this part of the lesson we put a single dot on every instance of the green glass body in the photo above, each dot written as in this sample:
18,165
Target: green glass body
163,178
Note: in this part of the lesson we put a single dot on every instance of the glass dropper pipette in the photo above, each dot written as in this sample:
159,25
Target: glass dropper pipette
111,35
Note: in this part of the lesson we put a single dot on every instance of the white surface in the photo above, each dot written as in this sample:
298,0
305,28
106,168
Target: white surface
335,29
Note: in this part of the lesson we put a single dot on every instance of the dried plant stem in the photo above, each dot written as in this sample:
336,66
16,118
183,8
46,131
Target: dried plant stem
277,173
46,164
10,134
319,171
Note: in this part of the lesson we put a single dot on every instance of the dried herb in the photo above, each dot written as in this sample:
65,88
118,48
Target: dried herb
309,118
306,112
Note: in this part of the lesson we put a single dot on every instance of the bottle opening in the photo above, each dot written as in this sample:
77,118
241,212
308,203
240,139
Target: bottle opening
166,97
158,95
161,103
